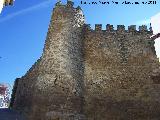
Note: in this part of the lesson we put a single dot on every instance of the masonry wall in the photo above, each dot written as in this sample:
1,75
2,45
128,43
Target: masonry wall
23,99
101,74
118,66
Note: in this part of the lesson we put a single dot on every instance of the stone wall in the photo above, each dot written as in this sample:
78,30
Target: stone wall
101,74
117,75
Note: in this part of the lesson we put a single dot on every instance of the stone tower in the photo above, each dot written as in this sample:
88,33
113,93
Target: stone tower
91,74
56,79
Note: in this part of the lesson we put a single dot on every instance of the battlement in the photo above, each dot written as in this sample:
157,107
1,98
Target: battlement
67,8
120,28
98,27
69,3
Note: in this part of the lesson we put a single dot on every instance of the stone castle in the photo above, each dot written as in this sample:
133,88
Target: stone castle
91,74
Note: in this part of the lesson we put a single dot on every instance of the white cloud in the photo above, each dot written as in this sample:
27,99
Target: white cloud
40,5
143,22
155,21
157,47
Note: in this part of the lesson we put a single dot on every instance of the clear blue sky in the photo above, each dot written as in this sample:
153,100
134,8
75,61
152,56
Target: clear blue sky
23,29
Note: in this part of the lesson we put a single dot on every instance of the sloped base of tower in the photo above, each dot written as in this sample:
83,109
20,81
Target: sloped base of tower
60,107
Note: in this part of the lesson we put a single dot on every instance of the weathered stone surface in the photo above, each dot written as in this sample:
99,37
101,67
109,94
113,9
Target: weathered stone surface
86,74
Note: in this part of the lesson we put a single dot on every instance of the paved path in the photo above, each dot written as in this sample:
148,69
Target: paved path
8,114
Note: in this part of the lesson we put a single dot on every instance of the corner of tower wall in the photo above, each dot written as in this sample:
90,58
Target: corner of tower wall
13,95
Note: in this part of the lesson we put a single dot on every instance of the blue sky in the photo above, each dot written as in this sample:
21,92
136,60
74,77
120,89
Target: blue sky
23,29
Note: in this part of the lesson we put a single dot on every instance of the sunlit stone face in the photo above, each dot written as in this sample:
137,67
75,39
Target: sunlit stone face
155,21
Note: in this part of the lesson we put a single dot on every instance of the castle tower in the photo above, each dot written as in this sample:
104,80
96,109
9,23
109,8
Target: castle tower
63,47
61,62
58,80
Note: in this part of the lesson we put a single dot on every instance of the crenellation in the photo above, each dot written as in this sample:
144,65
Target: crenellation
143,28
70,3
78,8
109,27
87,27
98,27
58,4
150,29
132,28
120,28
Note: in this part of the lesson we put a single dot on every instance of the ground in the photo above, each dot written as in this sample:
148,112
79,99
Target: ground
8,114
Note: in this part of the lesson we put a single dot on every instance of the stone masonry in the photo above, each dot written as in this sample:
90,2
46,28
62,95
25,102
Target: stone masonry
91,74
